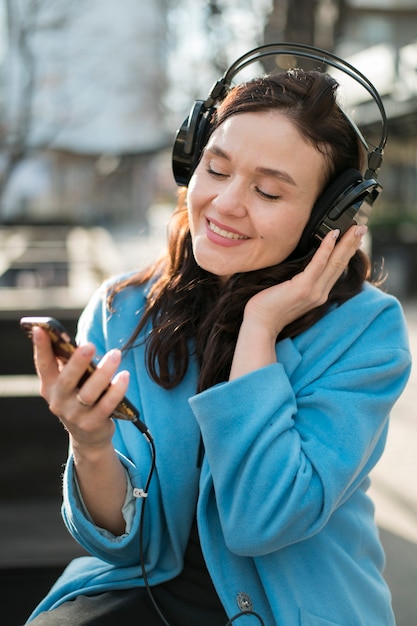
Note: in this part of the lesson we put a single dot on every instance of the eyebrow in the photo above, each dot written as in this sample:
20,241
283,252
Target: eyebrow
265,171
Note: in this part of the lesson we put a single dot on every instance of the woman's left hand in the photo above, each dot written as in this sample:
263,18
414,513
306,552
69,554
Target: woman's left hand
271,309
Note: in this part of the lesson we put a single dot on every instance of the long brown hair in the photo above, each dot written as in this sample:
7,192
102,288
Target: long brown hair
188,310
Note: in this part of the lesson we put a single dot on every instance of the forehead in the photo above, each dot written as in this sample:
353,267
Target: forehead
270,139
262,136
260,126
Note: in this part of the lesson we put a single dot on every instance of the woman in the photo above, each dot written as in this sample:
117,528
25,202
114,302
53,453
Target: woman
266,384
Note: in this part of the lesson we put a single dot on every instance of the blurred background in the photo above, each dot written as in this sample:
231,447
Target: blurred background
91,95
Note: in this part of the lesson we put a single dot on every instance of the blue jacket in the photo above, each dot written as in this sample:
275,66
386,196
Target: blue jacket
283,512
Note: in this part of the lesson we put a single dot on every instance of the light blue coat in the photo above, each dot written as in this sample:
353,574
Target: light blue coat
283,512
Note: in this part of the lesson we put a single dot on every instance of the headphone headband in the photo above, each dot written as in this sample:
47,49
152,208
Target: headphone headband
316,54
341,203
221,87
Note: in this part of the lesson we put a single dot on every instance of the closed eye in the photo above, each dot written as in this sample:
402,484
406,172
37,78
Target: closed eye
266,196
214,173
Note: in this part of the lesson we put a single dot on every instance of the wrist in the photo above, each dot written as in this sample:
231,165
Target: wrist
93,454
263,319
258,332
255,348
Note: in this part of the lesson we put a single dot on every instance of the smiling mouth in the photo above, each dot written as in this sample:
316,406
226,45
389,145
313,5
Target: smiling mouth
224,233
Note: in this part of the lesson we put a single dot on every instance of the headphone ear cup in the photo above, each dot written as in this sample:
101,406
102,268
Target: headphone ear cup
189,142
333,203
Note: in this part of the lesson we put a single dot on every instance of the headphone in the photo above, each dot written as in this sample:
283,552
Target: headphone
347,200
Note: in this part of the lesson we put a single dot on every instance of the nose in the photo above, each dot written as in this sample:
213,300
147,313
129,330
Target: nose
230,199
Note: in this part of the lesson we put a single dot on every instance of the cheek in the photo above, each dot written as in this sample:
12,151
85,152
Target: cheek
196,199
287,225
281,236
191,215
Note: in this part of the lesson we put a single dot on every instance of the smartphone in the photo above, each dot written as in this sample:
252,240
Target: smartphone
63,346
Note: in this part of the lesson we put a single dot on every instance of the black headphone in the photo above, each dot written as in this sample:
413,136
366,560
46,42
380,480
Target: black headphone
347,200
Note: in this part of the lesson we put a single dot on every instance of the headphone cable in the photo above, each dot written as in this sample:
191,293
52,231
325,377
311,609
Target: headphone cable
143,494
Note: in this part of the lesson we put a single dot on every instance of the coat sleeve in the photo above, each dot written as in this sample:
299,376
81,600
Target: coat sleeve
166,525
286,450
124,549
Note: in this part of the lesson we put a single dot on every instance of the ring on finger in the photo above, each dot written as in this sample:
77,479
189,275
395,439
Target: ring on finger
83,402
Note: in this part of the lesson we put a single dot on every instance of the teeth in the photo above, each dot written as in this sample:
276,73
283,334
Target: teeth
225,233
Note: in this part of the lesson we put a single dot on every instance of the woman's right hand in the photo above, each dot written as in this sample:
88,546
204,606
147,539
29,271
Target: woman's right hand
84,412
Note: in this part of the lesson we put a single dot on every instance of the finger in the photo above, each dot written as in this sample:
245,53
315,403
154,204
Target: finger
346,248
45,361
100,380
88,420
114,394
314,270
328,264
332,257
79,365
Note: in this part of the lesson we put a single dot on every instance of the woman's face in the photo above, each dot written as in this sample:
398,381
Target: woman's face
252,193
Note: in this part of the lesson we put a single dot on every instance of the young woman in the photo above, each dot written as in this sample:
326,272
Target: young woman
266,382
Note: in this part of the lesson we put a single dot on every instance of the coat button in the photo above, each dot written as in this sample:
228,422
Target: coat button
244,601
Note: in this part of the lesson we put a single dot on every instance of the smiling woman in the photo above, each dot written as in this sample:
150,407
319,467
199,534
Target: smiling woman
259,358
249,193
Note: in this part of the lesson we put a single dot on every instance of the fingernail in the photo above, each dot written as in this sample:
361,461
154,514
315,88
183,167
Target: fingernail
336,233
360,231
114,355
87,349
36,334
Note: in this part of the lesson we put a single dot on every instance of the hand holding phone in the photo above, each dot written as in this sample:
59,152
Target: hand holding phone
64,346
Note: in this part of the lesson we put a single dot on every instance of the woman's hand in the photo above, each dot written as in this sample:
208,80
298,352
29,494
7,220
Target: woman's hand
270,310
85,414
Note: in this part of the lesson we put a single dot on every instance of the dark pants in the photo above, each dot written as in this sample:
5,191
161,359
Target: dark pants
131,607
